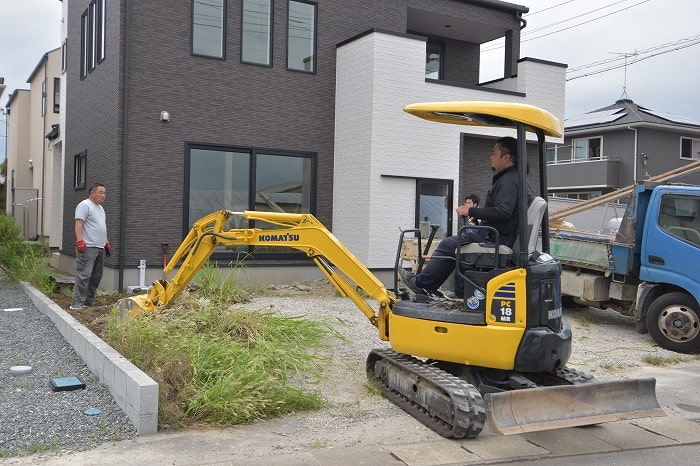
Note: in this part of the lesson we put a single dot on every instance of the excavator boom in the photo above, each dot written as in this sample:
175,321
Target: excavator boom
299,231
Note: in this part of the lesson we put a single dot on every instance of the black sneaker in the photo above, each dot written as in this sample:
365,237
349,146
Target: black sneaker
409,279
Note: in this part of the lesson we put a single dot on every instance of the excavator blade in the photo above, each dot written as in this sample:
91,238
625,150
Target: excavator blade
554,407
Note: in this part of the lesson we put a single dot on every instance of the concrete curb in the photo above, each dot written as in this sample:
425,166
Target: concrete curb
134,391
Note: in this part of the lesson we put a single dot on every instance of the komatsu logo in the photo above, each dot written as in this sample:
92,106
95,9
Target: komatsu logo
287,237
554,313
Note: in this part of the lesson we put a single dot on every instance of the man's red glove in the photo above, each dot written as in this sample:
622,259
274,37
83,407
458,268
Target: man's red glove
108,249
81,246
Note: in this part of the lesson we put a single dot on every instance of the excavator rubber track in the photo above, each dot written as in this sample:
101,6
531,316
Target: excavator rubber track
450,406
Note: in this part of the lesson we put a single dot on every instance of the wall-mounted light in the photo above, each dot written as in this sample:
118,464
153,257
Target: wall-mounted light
164,116
31,163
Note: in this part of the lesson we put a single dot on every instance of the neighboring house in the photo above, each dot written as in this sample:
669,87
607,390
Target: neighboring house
32,123
618,146
183,108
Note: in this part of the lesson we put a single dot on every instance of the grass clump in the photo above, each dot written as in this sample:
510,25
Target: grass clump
25,260
218,365
656,360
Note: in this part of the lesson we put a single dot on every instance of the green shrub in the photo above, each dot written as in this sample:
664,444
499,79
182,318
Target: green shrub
9,229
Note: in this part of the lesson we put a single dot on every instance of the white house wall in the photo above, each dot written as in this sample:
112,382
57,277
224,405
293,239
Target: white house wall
380,150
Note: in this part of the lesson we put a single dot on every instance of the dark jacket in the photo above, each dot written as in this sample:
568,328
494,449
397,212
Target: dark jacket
501,207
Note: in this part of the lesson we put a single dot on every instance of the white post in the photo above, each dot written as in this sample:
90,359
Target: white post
142,273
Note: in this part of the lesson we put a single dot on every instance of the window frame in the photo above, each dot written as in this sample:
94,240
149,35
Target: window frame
80,170
449,201
84,43
693,143
270,36
253,152
57,95
44,95
101,34
433,43
64,57
223,33
315,37
588,149
92,19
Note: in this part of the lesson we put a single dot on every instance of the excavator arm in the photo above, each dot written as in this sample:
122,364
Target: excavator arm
299,231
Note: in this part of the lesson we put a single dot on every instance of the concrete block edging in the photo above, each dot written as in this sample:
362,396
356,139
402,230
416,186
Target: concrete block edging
134,391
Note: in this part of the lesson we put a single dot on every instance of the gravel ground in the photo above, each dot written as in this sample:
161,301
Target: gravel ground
32,416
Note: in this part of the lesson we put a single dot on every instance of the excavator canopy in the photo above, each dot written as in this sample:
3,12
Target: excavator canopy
480,113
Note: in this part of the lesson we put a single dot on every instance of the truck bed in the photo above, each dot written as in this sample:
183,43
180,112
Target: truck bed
590,251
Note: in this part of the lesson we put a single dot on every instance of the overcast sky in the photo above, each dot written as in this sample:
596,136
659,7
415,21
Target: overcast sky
667,81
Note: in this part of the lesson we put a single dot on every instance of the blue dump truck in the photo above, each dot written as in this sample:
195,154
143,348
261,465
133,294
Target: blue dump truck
649,270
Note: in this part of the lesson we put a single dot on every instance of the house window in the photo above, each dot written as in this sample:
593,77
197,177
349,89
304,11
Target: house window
92,49
63,55
432,200
256,32
56,95
43,97
79,166
301,36
208,27
587,149
690,148
240,179
101,29
84,44
551,153
433,60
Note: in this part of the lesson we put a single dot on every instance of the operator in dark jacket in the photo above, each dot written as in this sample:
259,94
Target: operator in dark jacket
500,212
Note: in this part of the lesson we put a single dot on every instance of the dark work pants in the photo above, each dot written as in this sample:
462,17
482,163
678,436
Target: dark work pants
88,274
441,265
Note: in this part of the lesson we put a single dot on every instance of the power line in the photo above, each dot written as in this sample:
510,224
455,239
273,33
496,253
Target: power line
548,8
497,47
640,52
634,61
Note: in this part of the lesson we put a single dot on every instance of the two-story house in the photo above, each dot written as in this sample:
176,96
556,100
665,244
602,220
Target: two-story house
184,108
619,145
32,124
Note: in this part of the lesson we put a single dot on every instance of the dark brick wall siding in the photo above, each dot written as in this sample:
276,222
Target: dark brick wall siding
93,119
214,101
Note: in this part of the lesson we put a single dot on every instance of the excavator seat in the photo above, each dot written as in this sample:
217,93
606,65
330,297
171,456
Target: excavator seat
482,256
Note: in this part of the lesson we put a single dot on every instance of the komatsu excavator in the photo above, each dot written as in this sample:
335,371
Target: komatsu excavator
499,359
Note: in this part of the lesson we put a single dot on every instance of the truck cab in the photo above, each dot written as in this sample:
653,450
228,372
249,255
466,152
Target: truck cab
669,254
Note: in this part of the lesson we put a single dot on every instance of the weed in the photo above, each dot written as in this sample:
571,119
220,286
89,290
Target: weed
374,386
219,365
316,444
656,360
41,447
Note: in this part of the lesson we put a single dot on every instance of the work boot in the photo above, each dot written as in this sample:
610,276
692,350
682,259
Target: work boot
409,279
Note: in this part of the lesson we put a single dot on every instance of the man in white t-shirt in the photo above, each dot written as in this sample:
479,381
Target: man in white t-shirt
91,246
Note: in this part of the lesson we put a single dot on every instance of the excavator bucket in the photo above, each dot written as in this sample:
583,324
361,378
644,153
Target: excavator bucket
132,306
554,407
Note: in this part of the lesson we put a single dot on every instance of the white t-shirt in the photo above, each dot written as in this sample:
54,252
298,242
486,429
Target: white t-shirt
94,223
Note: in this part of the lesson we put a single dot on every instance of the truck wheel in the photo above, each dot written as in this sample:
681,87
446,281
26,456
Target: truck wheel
673,320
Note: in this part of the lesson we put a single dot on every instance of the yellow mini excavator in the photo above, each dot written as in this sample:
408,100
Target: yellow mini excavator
499,359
